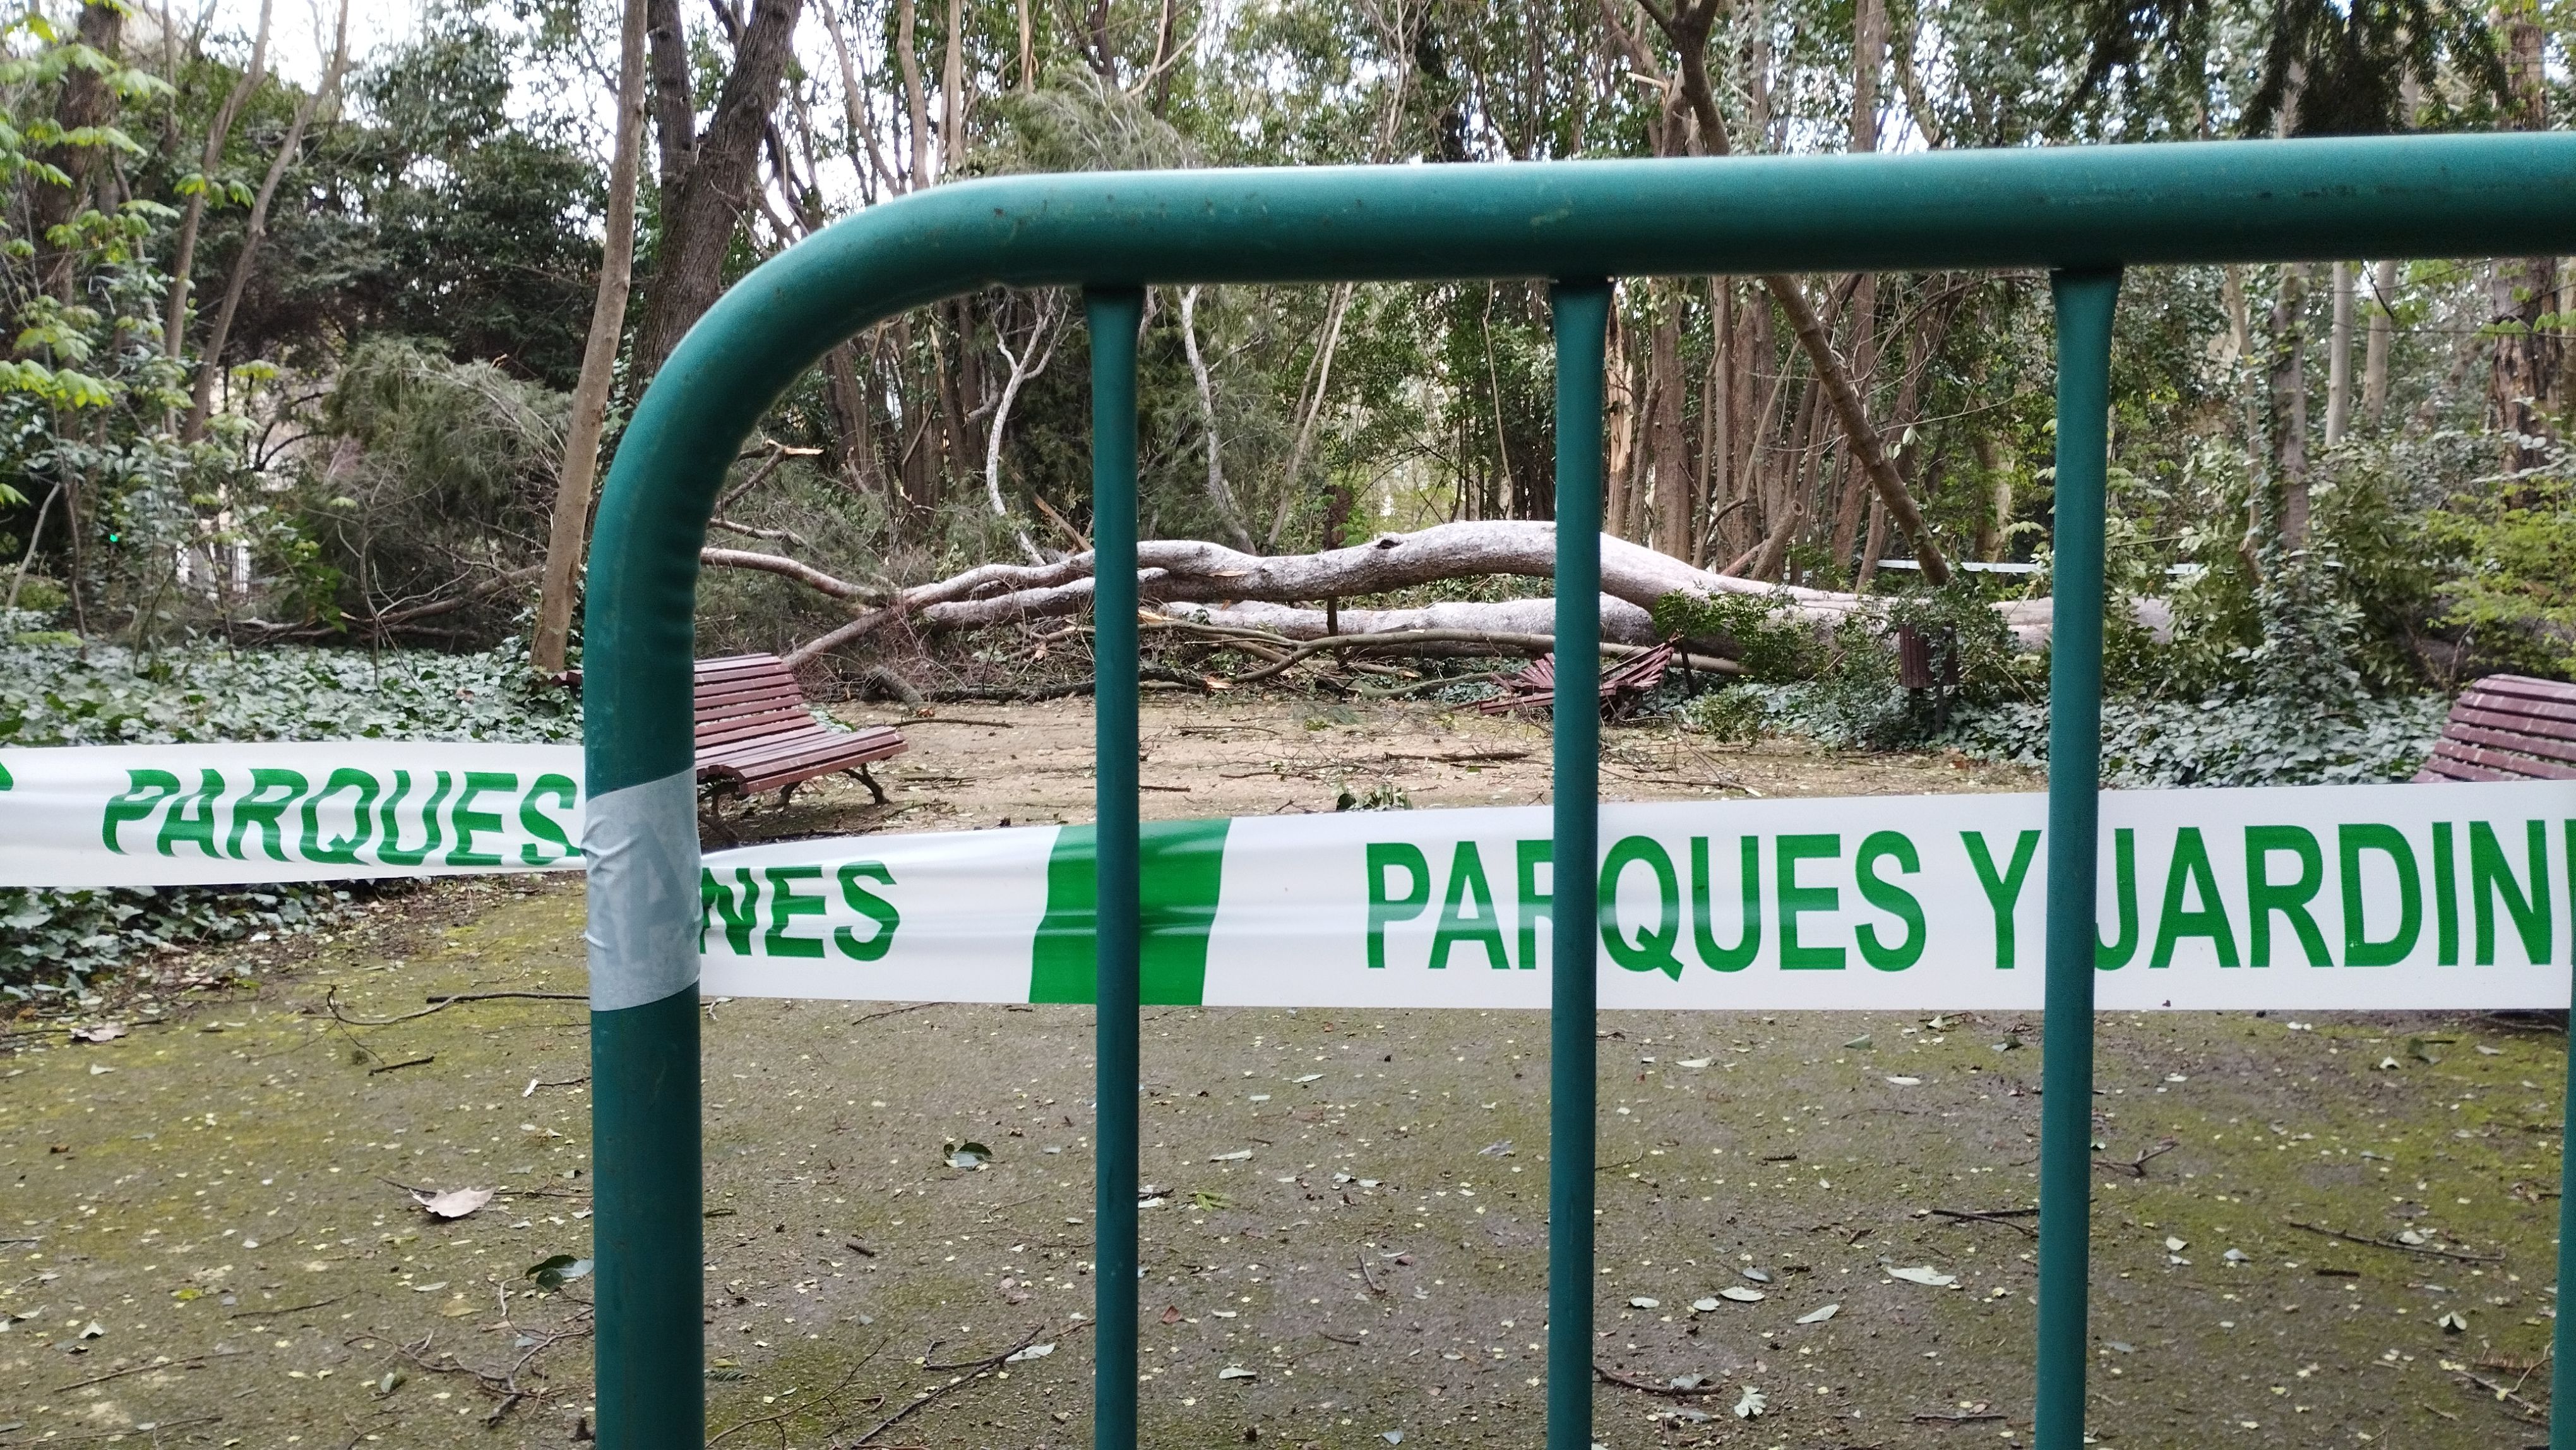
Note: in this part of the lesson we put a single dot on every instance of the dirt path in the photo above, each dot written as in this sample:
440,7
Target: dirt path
212,1189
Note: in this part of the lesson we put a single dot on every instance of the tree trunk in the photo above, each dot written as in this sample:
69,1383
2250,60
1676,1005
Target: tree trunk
1997,514
570,525
2339,358
1869,56
2240,315
1668,445
2290,405
174,327
1847,512
2374,364
1028,51
1619,412
1319,380
952,91
210,363
2520,289
86,101
916,106
1220,497
705,195
1027,363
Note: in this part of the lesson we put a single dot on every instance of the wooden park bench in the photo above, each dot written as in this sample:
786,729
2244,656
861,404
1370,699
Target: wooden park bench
2508,727
755,733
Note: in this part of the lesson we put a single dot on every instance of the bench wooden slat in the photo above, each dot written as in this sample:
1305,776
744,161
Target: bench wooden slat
2527,687
2437,769
2523,767
761,754
825,758
2520,742
759,778
755,710
2547,717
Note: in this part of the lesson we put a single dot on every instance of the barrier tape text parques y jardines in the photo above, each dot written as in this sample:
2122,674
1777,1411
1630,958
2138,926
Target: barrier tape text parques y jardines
2316,898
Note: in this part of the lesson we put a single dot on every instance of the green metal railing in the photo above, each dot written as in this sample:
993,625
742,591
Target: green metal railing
2080,214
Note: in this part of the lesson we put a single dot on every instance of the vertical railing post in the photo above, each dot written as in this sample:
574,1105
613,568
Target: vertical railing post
2084,304
1114,315
2562,1375
1582,318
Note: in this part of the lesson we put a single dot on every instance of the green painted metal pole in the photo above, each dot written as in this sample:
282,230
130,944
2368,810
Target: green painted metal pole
1114,314
2562,1375
2084,304
1582,314
646,1234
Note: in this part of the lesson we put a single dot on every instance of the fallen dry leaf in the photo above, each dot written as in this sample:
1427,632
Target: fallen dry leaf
454,1203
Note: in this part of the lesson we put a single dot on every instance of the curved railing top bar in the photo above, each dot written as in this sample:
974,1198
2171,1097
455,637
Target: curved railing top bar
2135,205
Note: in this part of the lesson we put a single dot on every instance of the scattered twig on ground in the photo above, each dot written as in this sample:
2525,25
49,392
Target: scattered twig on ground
399,1066
2504,1395
440,1003
502,1382
907,722
891,1012
989,1360
2137,1167
1367,1277
1612,1376
805,1404
282,1313
2004,1216
2464,1256
1969,1417
118,1374
967,1372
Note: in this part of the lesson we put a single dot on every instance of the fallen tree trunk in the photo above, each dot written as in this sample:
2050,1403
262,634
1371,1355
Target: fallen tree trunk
1246,589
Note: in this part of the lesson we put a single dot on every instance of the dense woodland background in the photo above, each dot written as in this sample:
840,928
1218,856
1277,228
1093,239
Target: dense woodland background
294,356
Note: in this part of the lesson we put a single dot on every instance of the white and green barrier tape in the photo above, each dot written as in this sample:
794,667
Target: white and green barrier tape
2309,898
2313,898
224,814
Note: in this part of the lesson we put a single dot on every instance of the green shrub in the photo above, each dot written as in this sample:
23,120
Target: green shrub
2513,596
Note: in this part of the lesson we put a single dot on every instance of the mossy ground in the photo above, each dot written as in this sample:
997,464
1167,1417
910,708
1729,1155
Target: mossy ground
218,1190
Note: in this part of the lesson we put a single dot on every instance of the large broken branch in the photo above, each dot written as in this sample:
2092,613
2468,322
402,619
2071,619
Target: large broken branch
1200,580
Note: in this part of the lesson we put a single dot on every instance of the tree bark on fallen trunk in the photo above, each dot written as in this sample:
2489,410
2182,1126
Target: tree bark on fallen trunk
1254,590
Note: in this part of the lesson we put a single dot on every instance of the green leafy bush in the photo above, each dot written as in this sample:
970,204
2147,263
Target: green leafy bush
1842,686
1773,647
2513,596
2249,741
53,943
57,694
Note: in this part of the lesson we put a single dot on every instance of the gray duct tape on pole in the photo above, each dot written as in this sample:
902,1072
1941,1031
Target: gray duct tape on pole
642,843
